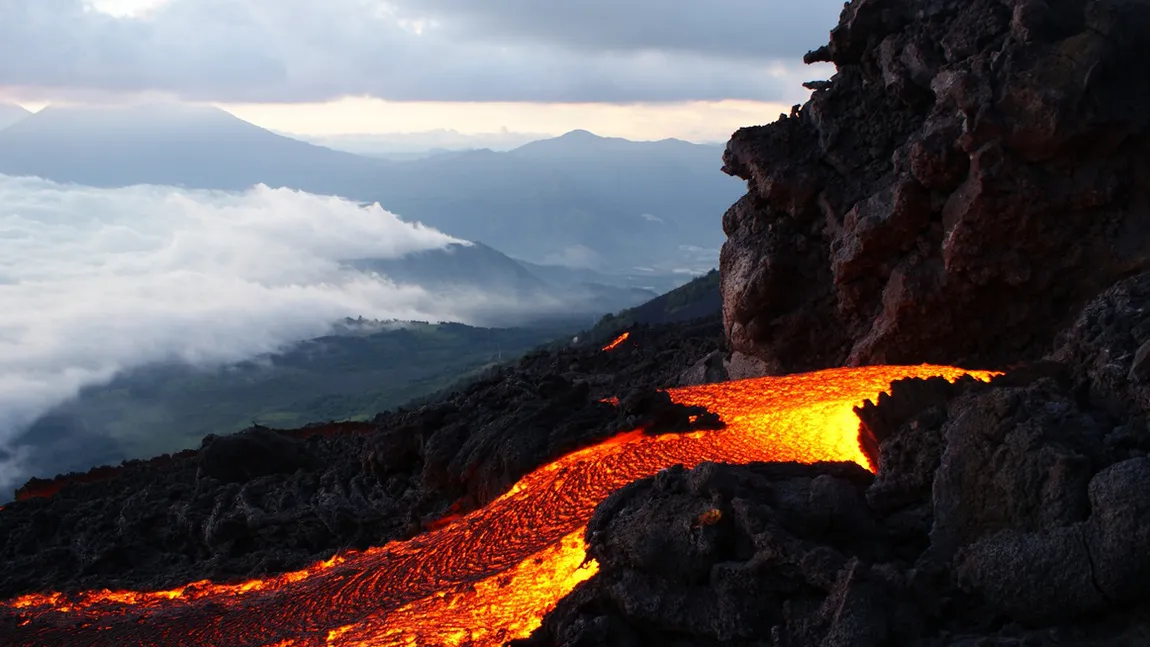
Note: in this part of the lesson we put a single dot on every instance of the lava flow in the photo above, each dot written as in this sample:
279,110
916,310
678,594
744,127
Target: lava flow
490,576
617,341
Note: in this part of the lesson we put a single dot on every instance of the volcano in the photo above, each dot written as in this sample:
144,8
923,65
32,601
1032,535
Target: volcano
971,188
487,577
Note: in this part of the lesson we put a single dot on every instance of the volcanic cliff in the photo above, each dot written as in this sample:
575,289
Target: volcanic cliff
971,188
974,172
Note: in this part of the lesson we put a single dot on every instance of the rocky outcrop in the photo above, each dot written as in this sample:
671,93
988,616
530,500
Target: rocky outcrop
974,173
265,501
1011,513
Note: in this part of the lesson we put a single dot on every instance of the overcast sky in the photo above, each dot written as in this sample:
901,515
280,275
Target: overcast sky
391,65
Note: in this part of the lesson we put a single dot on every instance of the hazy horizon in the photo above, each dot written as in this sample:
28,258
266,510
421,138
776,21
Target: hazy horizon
443,137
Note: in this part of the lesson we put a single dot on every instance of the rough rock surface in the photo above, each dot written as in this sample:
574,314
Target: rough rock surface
974,173
1012,513
264,501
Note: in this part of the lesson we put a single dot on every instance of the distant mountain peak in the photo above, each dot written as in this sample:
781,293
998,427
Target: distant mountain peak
579,133
11,113
584,142
11,107
168,143
138,116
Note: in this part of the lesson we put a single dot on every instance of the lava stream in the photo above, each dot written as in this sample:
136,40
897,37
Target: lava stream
616,342
488,577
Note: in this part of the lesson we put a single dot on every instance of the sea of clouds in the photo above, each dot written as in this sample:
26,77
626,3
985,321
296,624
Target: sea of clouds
96,281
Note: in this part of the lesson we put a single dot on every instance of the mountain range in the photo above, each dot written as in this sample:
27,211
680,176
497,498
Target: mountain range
578,200
418,144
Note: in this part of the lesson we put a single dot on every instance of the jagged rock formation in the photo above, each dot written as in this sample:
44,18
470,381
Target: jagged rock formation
265,501
1015,513
974,172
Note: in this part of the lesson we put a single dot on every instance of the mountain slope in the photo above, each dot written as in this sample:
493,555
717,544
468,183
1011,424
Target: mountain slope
518,296
10,114
175,144
694,300
475,266
355,374
646,279
578,200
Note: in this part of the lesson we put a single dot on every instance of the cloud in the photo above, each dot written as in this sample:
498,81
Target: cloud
434,50
753,29
575,257
95,281
13,463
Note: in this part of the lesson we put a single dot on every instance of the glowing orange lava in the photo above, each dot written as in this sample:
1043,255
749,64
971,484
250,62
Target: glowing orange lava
618,340
489,576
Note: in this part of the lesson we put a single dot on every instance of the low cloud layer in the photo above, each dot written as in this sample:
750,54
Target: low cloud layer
414,50
95,281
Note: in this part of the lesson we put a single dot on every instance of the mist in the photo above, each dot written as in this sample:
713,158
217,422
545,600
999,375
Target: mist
98,281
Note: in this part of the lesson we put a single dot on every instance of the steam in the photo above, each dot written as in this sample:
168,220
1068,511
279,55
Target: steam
96,281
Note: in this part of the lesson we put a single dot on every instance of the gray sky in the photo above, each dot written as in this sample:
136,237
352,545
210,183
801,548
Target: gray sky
753,29
413,50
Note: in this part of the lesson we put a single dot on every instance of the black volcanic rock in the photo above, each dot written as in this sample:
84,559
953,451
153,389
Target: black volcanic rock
728,555
265,501
1010,513
251,454
973,174
1111,339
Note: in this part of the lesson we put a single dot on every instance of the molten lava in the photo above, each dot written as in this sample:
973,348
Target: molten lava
618,340
490,576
